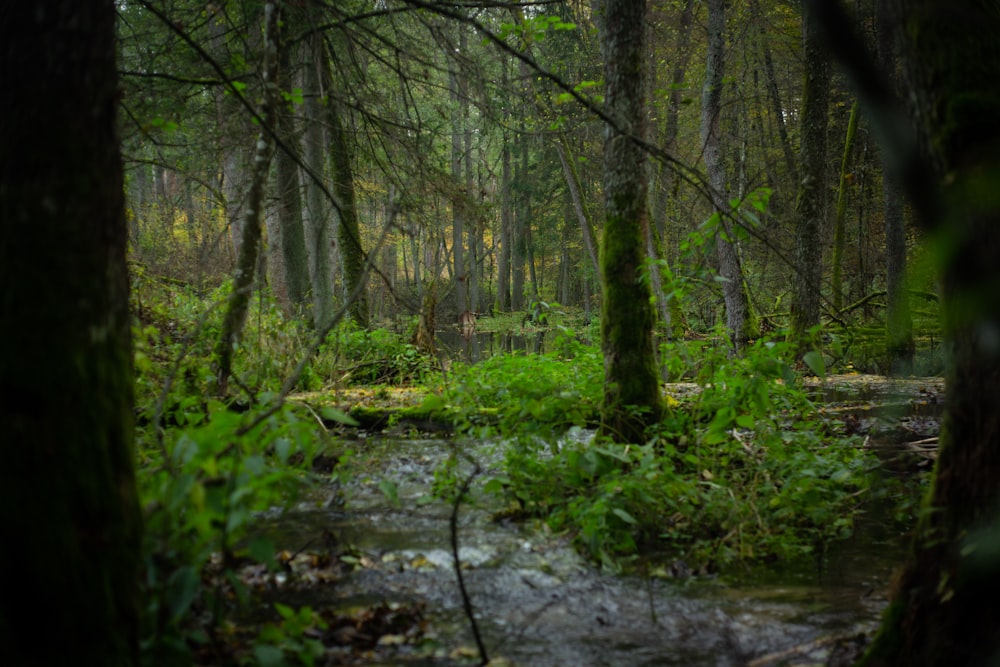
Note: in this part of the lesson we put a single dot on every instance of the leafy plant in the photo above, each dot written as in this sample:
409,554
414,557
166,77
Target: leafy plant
201,489
745,470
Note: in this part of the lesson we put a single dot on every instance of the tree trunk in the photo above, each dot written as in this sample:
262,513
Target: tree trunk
519,241
943,609
318,242
349,230
632,397
459,202
733,289
811,205
671,126
572,177
69,505
239,300
294,264
506,229
840,220
774,97
899,323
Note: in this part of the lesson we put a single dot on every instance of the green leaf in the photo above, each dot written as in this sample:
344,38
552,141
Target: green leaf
841,476
261,550
390,490
182,586
814,360
745,421
432,403
333,414
496,484
269,656
624,516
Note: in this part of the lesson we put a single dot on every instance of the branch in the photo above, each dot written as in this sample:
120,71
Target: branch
466,601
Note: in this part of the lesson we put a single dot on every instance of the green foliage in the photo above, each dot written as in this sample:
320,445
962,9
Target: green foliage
542,394
743,471
377,357
288,642
201,489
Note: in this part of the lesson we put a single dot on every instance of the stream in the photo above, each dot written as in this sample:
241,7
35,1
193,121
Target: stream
540,604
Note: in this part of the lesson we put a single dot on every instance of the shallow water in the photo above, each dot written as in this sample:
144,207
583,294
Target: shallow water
540,604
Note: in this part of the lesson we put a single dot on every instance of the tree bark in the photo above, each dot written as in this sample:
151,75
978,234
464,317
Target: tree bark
840,219
811,204
70,595
572,177
506,229
294,264
318,242
898,321
348,228
458,198
733,288
632,397
521,223
943,609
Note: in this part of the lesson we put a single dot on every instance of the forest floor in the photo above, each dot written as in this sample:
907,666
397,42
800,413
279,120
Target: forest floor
894,409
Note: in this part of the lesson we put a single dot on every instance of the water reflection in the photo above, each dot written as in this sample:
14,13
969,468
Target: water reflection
481,345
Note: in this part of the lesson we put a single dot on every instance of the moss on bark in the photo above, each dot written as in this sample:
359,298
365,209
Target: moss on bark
632,398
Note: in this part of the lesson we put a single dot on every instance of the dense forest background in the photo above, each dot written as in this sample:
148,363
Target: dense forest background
455,152
314,192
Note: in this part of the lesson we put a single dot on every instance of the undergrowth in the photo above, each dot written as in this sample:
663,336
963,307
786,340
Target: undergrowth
744,469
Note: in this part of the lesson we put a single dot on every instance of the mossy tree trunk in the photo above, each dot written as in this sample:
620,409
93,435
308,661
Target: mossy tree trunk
944,609
632,397
239,301
68,504
840,218
898,320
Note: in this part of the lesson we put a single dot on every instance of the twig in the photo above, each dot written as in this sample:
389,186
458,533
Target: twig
466,601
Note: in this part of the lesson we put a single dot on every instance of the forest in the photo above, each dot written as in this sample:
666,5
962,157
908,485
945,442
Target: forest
446,332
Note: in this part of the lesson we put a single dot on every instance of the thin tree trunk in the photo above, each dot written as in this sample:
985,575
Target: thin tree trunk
239,300
671,127
572,177
774,97
349,230
899,322
458,199
506,230
811,204
840,220
318,242
731,272
520,227
293,265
